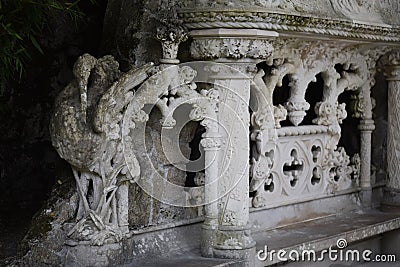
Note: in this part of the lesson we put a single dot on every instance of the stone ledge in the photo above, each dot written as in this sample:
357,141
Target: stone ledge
288,23
322,233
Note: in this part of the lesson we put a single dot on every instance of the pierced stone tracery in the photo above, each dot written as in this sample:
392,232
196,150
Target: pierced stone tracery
326,168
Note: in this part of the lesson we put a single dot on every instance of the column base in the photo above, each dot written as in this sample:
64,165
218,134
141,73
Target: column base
208,233
234,242
245,256
391,200
366,197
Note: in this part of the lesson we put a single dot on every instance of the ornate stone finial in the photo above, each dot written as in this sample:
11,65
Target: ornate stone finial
170,37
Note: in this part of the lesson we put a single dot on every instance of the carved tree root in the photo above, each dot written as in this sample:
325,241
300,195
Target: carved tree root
97,217
103,233
80,190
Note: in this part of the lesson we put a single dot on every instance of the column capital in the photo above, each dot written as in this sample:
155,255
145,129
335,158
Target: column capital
170,37
391,65
211,143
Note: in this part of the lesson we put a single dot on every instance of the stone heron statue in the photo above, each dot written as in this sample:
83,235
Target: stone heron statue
86,130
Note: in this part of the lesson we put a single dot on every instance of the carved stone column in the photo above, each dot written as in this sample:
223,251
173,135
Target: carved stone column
211,144
391,197
233,238
235,54
366,127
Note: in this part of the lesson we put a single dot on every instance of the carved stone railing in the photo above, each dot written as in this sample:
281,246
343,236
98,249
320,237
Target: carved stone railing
100,130
295,172
303,168
290,164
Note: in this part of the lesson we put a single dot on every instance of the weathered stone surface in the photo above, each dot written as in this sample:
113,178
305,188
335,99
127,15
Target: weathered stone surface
314,17
131,127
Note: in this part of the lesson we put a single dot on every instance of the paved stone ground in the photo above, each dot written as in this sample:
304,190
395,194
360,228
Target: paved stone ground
184,262
361,230
183,258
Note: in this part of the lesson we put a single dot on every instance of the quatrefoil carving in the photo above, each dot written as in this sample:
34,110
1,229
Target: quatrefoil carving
293,168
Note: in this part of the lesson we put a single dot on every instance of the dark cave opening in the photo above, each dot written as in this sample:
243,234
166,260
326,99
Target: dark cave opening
30,168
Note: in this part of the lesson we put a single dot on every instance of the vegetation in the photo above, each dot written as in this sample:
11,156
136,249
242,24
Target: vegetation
22,22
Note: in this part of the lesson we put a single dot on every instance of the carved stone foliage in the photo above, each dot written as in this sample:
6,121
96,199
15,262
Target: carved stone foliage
390,64
170,38
235,48
393,58
329,114
280,114
260,172
267,115
195,195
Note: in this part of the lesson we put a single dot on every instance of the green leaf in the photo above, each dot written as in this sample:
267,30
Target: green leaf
19,67
36,44
17,35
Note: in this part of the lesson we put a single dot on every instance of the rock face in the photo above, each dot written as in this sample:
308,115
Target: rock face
129,28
